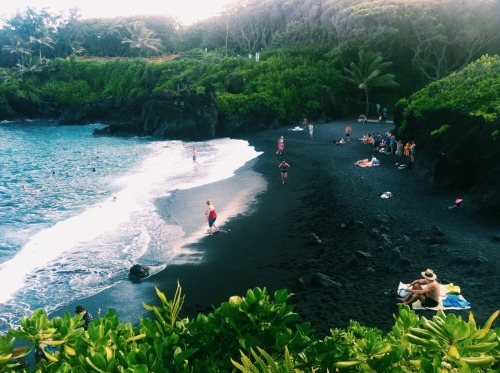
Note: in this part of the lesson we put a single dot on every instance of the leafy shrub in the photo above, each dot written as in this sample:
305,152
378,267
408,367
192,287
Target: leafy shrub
440,130
475,91
254,333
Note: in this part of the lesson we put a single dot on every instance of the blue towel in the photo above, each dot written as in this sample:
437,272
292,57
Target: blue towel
455,301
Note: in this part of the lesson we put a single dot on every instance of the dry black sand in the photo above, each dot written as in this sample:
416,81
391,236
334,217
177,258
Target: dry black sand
326,194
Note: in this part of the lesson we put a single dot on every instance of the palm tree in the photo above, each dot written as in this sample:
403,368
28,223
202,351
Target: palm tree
31,67
368,74
18,47
43,39
141,38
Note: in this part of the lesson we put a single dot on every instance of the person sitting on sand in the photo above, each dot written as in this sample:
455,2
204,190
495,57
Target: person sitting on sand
425,289
366,138
368,163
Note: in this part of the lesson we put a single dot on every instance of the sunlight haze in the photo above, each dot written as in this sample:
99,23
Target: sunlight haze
187,11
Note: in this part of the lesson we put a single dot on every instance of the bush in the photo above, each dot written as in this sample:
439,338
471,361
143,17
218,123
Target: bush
254,333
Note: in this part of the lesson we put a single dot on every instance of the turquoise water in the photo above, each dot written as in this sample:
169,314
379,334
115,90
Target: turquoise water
76,211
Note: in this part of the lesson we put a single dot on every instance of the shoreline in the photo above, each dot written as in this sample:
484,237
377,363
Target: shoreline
325,195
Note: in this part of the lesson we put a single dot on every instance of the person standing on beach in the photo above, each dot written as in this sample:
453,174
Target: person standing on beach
425,289
283,166
348,131
305,123
211,217
281,145
195,155
311,130
407,152
412,152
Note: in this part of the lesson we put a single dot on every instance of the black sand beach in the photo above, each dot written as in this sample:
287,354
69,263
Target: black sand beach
326,194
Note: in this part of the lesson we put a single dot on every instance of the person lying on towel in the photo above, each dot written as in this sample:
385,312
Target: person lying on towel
425,289
368,163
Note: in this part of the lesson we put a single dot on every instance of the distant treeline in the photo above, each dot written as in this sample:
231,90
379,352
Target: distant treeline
425,40
432,36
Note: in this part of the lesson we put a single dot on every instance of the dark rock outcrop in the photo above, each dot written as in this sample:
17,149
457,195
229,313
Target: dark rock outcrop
172,114
138,272
168,114
464,158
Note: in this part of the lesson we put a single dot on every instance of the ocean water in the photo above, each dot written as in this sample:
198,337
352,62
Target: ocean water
76,211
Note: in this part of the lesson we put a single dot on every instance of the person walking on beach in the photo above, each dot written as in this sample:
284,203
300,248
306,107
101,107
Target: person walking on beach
283,166
195,155
348,131
281,145
425,289
211,217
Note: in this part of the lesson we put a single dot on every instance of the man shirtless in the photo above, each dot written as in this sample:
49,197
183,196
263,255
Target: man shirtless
425,289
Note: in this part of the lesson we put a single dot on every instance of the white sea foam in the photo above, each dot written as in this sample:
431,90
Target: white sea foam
114,233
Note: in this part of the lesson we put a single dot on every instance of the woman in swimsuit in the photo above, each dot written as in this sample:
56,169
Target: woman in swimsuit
283,166
281,145
211,217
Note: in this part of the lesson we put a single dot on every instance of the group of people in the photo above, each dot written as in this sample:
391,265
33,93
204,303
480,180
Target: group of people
388,144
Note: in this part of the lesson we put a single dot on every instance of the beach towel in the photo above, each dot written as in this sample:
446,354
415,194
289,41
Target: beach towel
446,301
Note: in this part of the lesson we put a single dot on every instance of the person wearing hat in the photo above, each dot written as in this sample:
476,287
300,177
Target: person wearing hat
425,289
87,317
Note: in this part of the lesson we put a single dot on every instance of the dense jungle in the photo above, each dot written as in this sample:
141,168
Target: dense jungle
434,65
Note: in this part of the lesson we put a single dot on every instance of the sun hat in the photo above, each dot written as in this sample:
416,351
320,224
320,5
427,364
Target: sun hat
429,274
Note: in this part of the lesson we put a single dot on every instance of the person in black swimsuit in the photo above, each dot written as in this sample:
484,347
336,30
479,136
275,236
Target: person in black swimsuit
283,166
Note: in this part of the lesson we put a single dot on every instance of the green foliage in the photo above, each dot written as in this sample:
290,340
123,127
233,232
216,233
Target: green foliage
254,333
495,134
76,82
440,130
475,91
291,83
368,73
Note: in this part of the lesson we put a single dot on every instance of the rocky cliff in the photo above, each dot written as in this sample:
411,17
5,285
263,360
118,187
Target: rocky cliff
464,156
182,114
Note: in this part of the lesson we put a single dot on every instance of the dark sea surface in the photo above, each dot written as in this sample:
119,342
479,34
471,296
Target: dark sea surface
64,236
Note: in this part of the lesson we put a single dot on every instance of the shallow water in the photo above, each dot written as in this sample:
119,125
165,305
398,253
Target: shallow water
63,235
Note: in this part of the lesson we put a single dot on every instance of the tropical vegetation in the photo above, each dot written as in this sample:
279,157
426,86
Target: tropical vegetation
254,333
419,41
315,58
